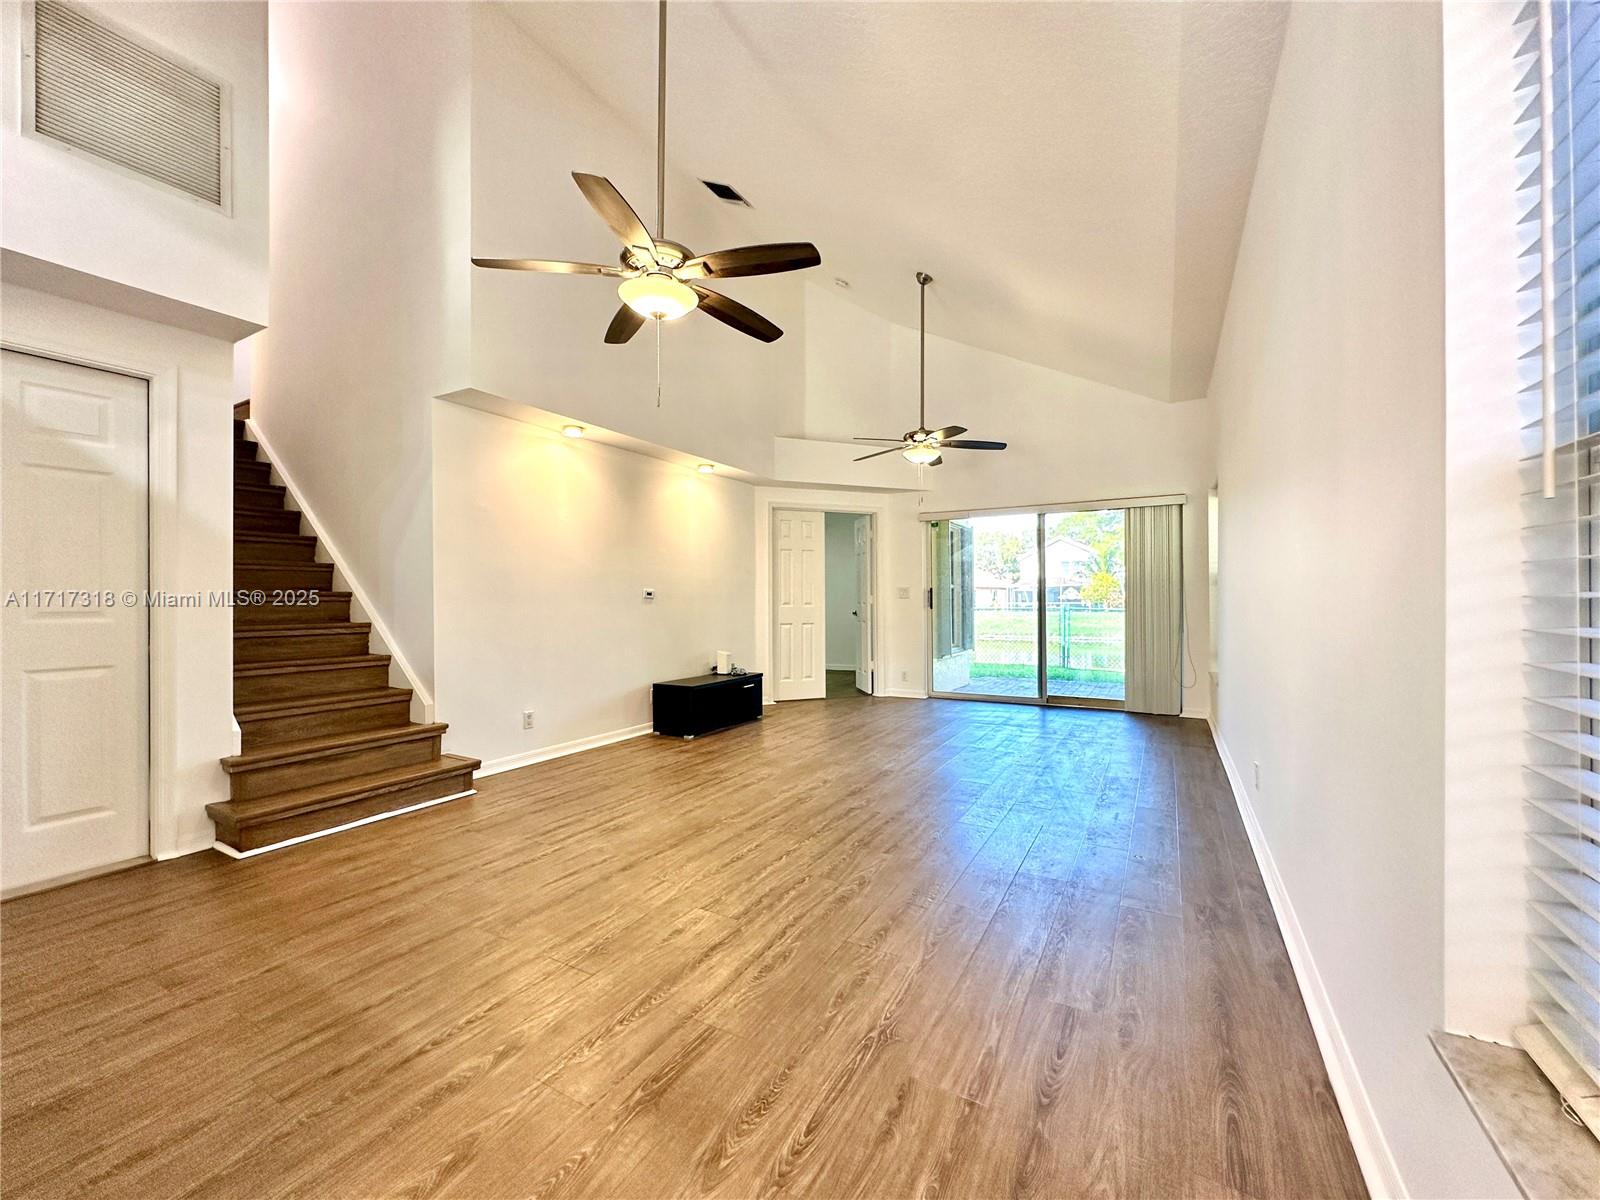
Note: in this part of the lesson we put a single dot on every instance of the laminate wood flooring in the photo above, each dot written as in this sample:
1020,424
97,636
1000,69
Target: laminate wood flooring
863,948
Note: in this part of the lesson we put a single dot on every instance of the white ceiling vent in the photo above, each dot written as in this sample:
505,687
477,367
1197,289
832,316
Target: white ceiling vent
100,91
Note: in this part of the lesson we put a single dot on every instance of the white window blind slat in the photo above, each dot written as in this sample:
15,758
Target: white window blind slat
1557,405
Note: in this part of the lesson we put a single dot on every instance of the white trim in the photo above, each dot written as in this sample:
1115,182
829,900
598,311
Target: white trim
1378,1167
321,833
422,707
1195,714
904,693
560,750
1047,509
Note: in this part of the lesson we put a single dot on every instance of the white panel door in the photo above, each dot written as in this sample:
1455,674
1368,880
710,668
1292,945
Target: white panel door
864,603
74,694
798,566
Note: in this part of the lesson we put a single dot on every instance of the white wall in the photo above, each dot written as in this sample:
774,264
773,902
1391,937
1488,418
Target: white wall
370,280
540,582
1486,884
538,339
1329,394
196,656
839,547
76,211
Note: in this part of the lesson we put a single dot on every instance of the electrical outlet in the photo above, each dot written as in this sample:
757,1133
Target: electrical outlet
527,718
1255,771
905,676
649,593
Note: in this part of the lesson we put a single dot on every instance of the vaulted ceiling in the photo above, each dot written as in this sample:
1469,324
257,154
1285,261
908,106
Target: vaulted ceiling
1074,175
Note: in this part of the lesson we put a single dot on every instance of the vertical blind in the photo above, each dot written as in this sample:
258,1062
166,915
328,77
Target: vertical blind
1559,410
1155,609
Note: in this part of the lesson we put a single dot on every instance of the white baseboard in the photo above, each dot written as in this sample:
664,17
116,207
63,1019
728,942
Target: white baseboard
1197,714
322,833
512,761
904,693
1378,1168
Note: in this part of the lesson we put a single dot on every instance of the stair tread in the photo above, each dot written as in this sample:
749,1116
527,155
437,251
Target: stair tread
338,791
263,535
328,744
290,665
258,487
283,629
262,709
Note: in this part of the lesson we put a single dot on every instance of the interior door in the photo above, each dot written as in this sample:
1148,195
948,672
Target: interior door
74,695
864,603
799,565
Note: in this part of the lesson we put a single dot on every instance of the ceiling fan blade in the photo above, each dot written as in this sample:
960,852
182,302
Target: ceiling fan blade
735,315
623,326
899,441
880,453
547,266
970,444
948,432
616,212
768,259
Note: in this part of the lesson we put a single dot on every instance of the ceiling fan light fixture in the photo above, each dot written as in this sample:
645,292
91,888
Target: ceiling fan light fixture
921,453
658,296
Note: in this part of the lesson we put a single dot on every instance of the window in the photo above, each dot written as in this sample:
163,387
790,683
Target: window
1560,414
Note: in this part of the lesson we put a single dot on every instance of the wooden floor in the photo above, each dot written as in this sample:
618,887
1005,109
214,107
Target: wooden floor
865,947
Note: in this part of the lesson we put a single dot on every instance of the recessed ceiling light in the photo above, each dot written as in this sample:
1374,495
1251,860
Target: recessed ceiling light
572,431
705,468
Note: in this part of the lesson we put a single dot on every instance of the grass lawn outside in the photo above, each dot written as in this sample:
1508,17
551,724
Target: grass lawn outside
1083,645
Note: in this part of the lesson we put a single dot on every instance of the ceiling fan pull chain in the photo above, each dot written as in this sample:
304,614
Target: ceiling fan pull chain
658,362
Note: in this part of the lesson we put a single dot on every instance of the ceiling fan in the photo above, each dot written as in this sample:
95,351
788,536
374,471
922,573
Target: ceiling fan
922,445
660,278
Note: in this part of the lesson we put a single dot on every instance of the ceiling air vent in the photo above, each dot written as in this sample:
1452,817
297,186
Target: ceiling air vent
100,91
723,192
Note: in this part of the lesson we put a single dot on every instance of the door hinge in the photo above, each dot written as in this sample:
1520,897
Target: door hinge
930,597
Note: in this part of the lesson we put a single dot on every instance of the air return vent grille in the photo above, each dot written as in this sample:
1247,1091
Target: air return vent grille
100,91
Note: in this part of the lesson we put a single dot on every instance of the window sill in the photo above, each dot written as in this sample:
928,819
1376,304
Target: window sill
1549,1157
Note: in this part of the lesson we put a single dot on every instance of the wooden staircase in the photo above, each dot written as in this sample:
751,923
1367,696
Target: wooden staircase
326,740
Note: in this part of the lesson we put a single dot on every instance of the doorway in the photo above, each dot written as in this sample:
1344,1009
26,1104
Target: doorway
847,546
1028,607
824,630
74,683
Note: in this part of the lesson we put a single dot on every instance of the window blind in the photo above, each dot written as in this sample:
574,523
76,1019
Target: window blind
1559,409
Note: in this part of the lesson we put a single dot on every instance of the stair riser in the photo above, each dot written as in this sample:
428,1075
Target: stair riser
267,500
283,577
295,685
260,520
249,554
249,785
272,730
330,608
286,649
245,471
244,451
267,832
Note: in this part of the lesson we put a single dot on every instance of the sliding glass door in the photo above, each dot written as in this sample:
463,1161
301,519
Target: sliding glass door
1029,607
